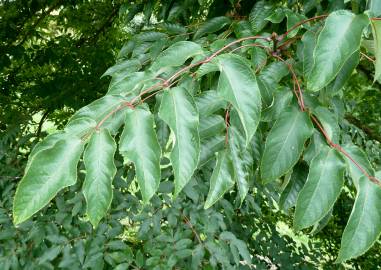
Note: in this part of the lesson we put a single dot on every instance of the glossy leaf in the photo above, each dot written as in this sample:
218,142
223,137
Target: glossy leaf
221,179
345,73
322,188
100,108
285,143
209,102
50,171
360,157
237,84
139,144
364,224
100,172
179,111
209,147
211,125
336,43
295,184
242,160
258,14
176,55
211,26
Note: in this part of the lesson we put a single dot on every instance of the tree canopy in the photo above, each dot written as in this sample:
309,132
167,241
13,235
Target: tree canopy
196,134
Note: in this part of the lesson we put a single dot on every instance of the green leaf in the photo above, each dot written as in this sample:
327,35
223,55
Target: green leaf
209,147
128,85
322,188
285,143
176,55
100,171
209,102
50,170
221,179
258,15
345,73
237,84
211,26
100,108
211,125
139,144
179,111
241,157
124,67
376,30
282,99
336,43
360,157
364,224
269,78
309,42
290,193
329,122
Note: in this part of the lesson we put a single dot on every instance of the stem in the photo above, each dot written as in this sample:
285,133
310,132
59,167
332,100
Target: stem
167,82
281,37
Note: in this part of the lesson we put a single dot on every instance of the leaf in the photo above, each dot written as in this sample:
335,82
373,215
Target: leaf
50,170
124,67
364,224
209,102
376,30
360,157
258,15
221,179
290,193
241,157
282,99
100,108
269,78
285,143
100,171
176,55
211,125
329,122
322,188
309,42
139,144
129,85
338,40
345,73
179,111
237,84
209,147
213,25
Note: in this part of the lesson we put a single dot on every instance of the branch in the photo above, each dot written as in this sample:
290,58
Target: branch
43,118
373,135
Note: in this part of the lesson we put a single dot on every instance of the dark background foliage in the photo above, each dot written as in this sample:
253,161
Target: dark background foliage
52,55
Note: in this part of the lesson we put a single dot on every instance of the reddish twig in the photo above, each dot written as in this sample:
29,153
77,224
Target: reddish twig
281,37
345,153
367,57
227,124
299,93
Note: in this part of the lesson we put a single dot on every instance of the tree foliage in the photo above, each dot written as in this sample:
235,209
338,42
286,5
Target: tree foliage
218,120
